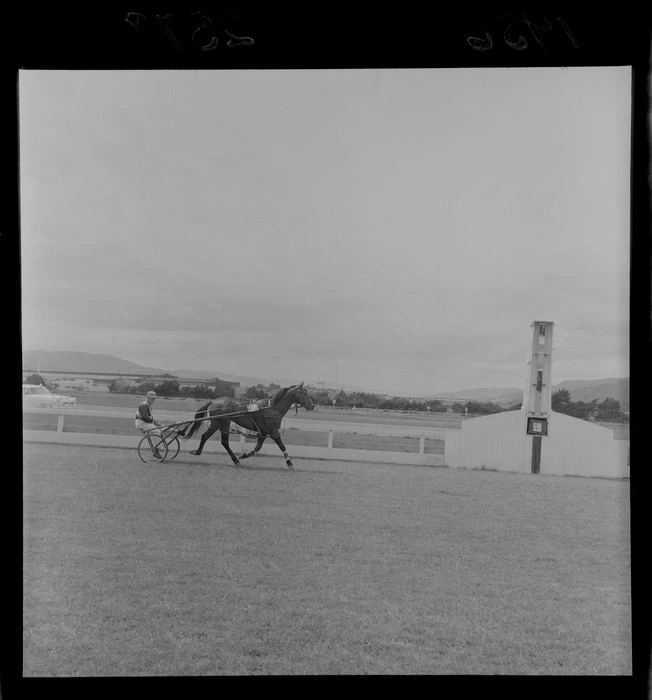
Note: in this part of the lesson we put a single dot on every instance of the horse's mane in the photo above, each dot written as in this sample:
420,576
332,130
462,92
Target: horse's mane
280,394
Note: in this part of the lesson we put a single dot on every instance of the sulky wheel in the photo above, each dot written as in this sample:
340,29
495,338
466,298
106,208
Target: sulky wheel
173,448
148,445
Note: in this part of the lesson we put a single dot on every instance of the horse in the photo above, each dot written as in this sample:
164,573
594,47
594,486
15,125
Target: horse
265,422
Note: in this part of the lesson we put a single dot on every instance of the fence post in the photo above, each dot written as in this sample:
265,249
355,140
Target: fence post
330,439
60,423
422,444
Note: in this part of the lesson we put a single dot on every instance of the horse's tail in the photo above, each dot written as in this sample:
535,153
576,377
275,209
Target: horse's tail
201,413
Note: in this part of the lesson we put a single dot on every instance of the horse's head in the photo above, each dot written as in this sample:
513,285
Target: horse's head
302,397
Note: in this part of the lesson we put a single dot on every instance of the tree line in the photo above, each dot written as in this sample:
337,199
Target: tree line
607,410
358,399
172,388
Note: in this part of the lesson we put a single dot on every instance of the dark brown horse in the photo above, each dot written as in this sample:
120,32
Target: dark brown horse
266,422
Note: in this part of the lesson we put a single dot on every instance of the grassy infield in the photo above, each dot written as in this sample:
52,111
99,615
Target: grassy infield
197,567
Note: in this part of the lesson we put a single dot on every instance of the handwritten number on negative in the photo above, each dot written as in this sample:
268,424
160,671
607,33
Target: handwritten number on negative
139,21
520,42
537,30
481,44
208,23
133,18
166,28
569,34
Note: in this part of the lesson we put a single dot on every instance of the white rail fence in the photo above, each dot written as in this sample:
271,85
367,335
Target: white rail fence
322,426
410,431
330,427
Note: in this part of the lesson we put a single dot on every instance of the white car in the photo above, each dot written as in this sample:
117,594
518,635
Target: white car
37,396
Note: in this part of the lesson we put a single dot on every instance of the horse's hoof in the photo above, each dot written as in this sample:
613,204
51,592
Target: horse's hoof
290,465
194,452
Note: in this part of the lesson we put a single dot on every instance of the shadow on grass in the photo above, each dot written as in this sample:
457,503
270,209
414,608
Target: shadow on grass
244,466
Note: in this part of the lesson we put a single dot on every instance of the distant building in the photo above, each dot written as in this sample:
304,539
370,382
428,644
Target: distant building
78,385
211,383
92,381
70,381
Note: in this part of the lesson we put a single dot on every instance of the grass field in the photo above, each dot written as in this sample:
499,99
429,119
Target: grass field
201,568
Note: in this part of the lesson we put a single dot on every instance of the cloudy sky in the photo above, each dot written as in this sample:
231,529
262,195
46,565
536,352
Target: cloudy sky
402,226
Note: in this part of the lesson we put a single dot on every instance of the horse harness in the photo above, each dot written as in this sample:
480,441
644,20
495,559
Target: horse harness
253,419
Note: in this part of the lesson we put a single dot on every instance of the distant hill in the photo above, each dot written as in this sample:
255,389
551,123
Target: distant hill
600,389
72,361
69,361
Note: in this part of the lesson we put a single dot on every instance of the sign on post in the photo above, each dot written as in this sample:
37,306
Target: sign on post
537,426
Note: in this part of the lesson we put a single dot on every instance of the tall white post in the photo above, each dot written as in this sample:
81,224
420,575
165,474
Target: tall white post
537,397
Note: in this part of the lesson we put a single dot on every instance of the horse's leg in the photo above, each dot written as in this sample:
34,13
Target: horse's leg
211,429
259,444
226,446
279,442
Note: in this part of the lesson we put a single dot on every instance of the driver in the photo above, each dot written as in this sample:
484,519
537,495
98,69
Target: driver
145,420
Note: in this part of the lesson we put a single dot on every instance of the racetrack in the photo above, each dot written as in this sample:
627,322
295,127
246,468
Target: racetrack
196,567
